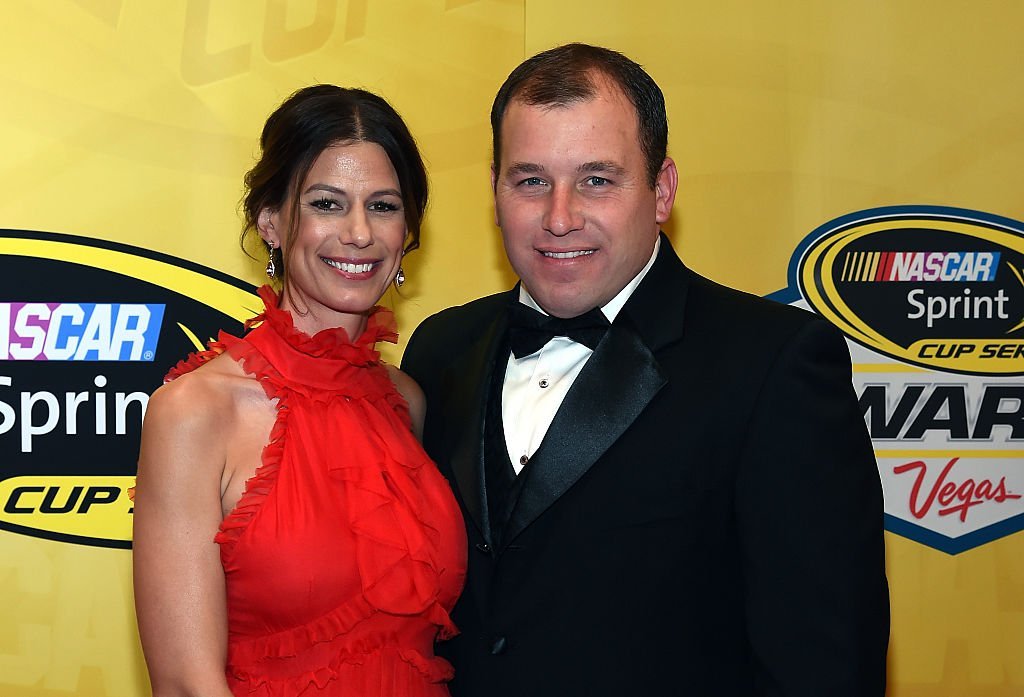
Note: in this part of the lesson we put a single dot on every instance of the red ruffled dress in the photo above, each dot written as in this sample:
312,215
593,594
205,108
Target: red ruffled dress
347,550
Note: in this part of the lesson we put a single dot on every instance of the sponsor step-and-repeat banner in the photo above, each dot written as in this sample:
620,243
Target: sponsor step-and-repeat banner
808,137
932,299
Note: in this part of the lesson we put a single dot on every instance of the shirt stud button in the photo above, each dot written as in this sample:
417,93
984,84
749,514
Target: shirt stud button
524,459
543,383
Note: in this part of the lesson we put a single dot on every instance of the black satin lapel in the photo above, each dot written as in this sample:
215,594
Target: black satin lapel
611,391
657,307
469,394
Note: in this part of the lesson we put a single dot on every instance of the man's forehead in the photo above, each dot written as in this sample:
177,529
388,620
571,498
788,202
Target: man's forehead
604,89
608,106
536,133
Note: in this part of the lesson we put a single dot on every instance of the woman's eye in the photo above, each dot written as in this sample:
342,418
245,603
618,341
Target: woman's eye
383,207
325,204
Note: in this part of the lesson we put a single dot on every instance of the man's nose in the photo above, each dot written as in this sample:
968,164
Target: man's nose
563,214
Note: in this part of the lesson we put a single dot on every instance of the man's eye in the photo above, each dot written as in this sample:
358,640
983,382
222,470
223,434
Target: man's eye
532,181
597,181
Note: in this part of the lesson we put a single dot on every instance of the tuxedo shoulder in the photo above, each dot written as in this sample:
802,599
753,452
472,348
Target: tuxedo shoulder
747,313
460,319
439,335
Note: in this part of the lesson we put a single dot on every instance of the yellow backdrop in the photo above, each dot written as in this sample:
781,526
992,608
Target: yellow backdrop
133,121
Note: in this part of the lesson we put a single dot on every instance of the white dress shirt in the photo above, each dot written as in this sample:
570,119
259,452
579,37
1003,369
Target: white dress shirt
535,385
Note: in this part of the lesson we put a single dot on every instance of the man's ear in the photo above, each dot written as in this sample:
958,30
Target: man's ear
494,190
268,223
665,190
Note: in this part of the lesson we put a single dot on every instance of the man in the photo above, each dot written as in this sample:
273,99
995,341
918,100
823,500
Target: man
684,502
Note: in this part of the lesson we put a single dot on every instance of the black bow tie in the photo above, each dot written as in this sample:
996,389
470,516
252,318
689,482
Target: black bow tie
529,330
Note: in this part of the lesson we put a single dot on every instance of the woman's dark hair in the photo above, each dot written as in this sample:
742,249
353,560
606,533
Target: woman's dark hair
312,120
568,74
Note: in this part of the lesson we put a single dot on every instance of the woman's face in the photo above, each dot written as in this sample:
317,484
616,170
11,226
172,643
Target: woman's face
348,239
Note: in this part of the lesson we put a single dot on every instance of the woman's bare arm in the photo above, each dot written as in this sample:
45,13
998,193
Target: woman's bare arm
179,581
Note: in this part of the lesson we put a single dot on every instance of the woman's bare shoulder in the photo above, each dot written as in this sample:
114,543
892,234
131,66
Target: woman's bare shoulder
198,408
211,388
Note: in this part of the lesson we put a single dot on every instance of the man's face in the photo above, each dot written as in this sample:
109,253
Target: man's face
572,200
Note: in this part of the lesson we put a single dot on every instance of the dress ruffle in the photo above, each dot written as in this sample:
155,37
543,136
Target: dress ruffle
330,343
194,360
395,542
389,505
430,670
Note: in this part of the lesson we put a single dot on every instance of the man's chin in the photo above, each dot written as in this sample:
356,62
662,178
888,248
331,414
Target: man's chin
565,307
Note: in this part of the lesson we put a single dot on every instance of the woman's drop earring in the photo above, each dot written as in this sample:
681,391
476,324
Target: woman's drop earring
271,267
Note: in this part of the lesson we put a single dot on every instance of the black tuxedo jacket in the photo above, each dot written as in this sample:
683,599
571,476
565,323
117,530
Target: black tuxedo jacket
704,516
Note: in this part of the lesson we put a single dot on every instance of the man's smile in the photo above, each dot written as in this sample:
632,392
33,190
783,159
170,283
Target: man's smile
568,255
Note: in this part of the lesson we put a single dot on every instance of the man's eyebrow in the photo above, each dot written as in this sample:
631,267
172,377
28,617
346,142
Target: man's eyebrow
524,168
605,166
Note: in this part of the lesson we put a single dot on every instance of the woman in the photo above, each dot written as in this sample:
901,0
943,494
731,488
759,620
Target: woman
291,536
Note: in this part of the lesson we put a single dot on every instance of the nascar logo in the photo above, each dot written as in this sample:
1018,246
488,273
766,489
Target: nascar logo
880,278
79,331
920,266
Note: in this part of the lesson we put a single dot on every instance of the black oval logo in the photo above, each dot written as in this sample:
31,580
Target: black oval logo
87,331
937,287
